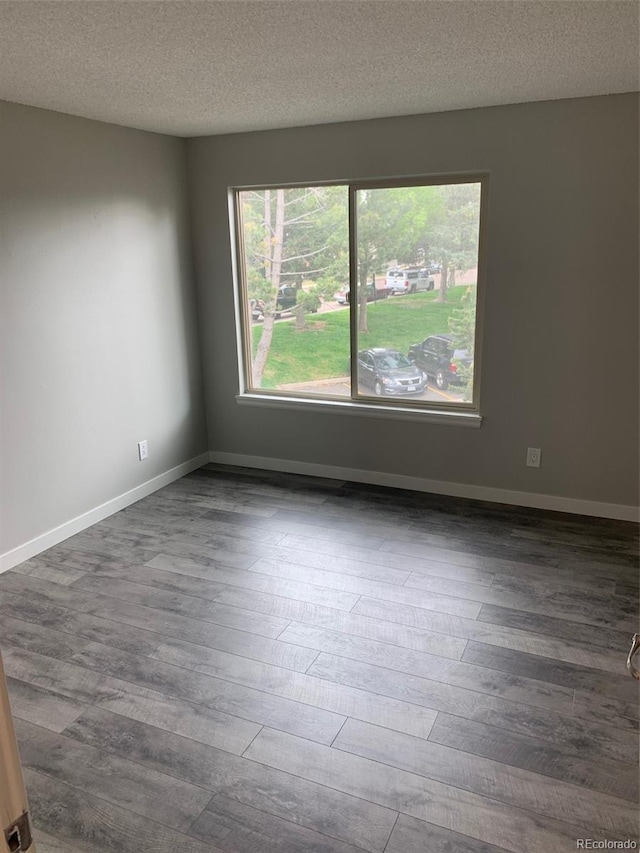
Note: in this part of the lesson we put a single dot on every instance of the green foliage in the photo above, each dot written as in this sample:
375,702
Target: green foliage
462,322
462,326
308,300
314,234
290,235
391,223
453,236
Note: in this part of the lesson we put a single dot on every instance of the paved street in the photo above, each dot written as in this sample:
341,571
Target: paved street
340,387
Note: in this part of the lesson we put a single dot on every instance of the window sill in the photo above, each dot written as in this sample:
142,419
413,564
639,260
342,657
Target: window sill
369,410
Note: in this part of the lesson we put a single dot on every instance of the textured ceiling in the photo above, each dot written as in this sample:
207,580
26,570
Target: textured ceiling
197,67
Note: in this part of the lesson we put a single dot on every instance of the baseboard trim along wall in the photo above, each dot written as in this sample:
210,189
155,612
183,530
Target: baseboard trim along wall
438,487
379,478
93,516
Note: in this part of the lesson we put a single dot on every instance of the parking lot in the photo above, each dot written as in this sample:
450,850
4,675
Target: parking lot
292,359
341,387
463,279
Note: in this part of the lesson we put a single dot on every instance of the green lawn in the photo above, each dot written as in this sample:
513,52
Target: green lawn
321,351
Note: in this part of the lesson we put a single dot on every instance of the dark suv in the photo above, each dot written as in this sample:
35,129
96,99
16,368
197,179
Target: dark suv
287,300
439,360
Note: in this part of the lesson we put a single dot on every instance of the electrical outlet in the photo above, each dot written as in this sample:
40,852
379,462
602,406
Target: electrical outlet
533,457
143,450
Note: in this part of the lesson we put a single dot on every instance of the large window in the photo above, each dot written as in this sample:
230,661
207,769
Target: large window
362,292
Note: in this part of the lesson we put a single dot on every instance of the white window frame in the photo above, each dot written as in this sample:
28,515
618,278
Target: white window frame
461,414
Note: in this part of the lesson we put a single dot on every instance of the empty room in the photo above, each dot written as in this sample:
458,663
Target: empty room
319,426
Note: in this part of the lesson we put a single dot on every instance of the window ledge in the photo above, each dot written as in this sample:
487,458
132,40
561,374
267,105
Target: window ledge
369,410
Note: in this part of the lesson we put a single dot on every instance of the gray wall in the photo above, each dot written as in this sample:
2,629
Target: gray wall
560,362
98,338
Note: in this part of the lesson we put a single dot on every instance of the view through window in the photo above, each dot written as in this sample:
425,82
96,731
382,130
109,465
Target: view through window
415,254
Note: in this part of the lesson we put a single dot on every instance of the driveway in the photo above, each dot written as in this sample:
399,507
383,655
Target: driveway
340,387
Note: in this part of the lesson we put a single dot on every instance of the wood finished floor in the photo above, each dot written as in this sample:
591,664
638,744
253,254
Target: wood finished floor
252,662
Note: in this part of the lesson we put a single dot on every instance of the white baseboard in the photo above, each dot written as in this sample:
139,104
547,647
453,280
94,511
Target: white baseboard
92,516
438,487
378,478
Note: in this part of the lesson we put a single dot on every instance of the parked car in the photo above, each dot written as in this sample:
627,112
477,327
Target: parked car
390,372
438,358
409,280
286,301
342,296
255,306
287,298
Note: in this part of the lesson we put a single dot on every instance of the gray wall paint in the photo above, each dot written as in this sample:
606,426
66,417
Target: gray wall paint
98,338
560,362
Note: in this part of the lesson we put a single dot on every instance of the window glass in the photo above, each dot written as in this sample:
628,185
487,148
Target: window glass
414,261
295,246
434,228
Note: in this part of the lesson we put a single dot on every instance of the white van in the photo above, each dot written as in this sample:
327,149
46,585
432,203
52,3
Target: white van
409,281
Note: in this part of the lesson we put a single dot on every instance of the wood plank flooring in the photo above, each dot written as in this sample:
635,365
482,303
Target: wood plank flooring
253,662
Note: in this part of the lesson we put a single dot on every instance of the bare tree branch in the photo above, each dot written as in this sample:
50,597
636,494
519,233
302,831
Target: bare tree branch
292,258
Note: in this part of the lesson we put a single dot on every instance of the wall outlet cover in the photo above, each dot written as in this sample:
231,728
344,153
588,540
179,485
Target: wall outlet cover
143,450
533,457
